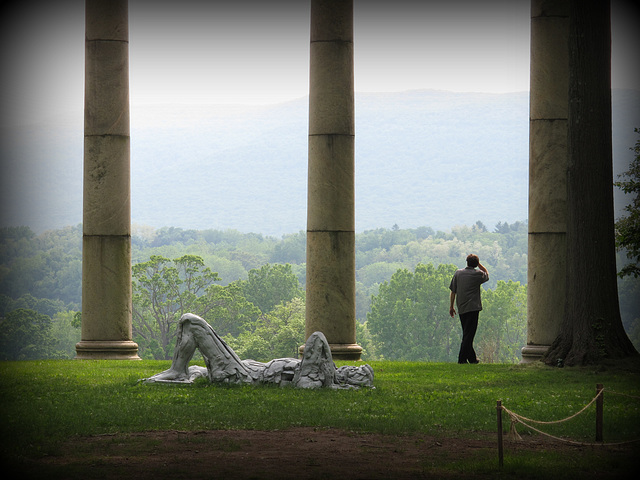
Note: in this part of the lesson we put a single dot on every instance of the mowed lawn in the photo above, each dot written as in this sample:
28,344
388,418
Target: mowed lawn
44,403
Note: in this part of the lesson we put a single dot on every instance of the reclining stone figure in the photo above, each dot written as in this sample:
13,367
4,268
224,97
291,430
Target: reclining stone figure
315,370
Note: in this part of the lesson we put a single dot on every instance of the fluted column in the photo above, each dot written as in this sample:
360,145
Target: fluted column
331,200
106,254
548,163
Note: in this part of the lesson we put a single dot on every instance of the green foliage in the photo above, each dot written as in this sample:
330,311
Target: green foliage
628,227
25,335
502,330
276,334
49,265
409,318
41,305
163,290
292,249
40,265
43,272
271,285
65,332
229,312
366,341
629,293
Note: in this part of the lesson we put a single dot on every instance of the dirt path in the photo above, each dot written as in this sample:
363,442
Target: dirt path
301,453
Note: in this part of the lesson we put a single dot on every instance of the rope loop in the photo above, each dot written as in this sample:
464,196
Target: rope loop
515,418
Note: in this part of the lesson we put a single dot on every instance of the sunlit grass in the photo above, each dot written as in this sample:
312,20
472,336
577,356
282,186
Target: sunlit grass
43,403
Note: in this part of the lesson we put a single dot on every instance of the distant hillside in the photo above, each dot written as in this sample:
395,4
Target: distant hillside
422,158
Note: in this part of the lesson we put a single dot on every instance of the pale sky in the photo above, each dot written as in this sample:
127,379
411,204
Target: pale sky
256,52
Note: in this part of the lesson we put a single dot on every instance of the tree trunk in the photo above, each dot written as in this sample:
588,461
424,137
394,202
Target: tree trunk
592,329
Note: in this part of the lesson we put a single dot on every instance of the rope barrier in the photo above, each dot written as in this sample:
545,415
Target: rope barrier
520,417
516,418
610,392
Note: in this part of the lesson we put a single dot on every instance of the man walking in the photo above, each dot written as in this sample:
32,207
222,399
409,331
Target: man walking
465,284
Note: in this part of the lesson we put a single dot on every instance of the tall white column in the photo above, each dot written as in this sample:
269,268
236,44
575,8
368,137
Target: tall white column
331,199
548,164
106,244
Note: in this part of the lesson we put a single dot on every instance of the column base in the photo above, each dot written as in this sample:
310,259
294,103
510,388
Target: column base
107,350
533,353
341,351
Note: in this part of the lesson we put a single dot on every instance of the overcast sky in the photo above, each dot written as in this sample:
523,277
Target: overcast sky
256,52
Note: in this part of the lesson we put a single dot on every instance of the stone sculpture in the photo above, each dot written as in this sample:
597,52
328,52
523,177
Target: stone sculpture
315,370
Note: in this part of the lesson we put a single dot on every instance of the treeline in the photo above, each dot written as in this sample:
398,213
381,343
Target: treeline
255,284
49,266
379,253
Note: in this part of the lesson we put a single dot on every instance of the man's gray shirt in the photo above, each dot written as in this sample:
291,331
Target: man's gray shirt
466,285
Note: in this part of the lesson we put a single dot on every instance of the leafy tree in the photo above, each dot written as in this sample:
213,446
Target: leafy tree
502,228
502,330
169,235
628,228
161,295
65,331
27,301
591,330
377,272
409,318
23,275
363,299
479,227
292,249
629,290
16,242
61,277
46,266
164,290
25,335
277,334
366,341
271,285
228,311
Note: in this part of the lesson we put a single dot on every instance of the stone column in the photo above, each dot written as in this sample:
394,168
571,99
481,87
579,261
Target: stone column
548,163
106,243
331,199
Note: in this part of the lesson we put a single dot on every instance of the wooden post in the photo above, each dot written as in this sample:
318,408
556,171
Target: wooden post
499,416
599,412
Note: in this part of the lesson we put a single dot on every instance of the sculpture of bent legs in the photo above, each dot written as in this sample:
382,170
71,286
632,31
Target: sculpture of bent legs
315,370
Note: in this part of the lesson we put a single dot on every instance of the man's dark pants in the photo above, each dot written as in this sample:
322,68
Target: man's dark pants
469,323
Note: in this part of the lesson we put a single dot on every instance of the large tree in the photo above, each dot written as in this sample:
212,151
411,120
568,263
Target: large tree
25,335
409,318
628,227
592,328
277,334
164,290
503,323
271,285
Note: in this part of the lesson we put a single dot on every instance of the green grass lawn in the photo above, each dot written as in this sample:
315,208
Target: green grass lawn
44,403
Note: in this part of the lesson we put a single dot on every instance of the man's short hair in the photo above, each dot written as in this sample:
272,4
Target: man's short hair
473,261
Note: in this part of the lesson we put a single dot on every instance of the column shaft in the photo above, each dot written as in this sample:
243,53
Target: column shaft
106,255
548,163
331,181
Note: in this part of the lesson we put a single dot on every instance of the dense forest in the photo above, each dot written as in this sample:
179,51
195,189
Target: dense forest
250,287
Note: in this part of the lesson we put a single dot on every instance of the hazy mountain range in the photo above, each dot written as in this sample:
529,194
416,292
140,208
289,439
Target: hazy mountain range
425,157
